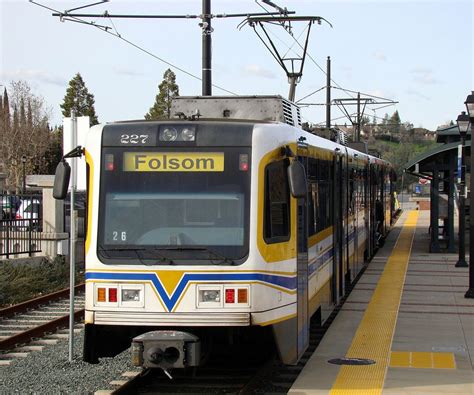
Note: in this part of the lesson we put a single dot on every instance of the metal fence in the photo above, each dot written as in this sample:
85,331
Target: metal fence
21,224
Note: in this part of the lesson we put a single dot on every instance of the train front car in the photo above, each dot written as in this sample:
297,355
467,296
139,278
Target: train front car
176,236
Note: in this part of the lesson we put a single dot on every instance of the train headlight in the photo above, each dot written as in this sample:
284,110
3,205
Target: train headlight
168,134
188,134
210,295
177,133
130,295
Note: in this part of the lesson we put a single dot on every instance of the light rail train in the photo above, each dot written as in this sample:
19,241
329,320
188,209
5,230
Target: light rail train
229,224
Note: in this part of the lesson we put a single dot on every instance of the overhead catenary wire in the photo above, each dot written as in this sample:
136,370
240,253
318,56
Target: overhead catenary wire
109,30
65,16
312,59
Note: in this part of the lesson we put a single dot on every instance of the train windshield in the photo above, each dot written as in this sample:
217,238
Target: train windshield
163,206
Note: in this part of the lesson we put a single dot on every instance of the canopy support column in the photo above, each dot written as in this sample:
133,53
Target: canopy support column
434,212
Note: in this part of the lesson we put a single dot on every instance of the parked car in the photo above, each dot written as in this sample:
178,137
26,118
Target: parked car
9,205
29,214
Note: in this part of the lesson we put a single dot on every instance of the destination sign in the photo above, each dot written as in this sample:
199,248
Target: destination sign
173,161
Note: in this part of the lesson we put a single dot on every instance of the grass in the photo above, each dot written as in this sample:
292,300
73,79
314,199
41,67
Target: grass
21,282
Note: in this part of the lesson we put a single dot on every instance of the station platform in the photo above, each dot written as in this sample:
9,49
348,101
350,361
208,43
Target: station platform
407,316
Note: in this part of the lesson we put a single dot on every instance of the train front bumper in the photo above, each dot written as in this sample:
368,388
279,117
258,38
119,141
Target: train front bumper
166,350
167,319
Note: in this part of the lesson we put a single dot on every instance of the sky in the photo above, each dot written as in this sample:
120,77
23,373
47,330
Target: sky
418,53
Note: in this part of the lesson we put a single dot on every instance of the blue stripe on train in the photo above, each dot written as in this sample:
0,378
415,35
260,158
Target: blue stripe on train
281,281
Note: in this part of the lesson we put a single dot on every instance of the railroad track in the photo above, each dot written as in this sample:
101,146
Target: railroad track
242,375
21,323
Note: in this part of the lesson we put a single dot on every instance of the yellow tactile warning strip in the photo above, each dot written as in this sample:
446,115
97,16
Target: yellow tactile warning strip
373,339
422,360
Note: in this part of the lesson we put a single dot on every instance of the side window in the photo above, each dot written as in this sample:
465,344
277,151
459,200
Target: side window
277,203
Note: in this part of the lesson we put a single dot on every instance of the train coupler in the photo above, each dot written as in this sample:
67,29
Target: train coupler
166,350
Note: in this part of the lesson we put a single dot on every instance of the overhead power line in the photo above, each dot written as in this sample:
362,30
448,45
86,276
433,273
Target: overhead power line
206,17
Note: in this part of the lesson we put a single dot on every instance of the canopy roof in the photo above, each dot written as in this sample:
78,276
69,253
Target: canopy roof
437,155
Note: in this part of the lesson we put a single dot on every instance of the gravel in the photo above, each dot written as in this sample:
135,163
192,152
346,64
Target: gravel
50,372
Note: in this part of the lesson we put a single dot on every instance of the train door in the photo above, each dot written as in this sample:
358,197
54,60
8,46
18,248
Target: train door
352,221
292,335
345,219
302,276
366,200
382,199
337,237
372,199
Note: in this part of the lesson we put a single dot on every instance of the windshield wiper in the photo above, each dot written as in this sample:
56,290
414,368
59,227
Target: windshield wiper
138,252
223,258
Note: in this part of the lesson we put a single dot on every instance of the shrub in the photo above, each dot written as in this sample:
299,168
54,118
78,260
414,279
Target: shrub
23,281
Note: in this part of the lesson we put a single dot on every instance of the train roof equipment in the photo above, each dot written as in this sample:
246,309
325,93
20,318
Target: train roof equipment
255,108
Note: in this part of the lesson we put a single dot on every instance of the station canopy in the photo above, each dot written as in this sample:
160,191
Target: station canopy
423,165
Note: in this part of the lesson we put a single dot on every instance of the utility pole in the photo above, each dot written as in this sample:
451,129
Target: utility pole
328,93
206,48
205,24
287,63
72,237
356,117
357,137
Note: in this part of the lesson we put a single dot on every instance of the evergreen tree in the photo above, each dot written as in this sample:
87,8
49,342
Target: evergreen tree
22,113
29,116
24,131
395,122
79,99
6,110
168,89
16,122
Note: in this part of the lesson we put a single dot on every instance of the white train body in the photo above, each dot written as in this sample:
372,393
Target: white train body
201,236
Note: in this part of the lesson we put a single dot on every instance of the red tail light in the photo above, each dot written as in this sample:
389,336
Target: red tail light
113,295
109,162
230,295
243,162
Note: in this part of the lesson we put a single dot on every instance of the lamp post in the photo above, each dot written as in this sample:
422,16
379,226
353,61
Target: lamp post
470,110
463,125
23,162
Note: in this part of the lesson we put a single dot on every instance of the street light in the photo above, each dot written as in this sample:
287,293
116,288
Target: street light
470,110
23,161
463,125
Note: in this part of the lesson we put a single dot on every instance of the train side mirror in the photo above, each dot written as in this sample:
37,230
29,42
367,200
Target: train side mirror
297,180
61,180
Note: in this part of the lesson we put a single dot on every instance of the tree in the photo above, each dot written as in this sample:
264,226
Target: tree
168,89
395,123
80,100
25,132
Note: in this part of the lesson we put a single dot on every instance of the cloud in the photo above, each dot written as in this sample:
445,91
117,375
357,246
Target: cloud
128,72
35,75
424,76
382,94
258,71
417,94
379,55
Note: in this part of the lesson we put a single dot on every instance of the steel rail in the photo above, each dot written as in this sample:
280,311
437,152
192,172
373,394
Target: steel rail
41,330
34,303
130,385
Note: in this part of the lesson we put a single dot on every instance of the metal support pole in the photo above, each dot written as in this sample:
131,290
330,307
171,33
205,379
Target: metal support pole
328,93
292,93
470,292
449,226
434,212
206,48
72,239
358,118
24,176
462,211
